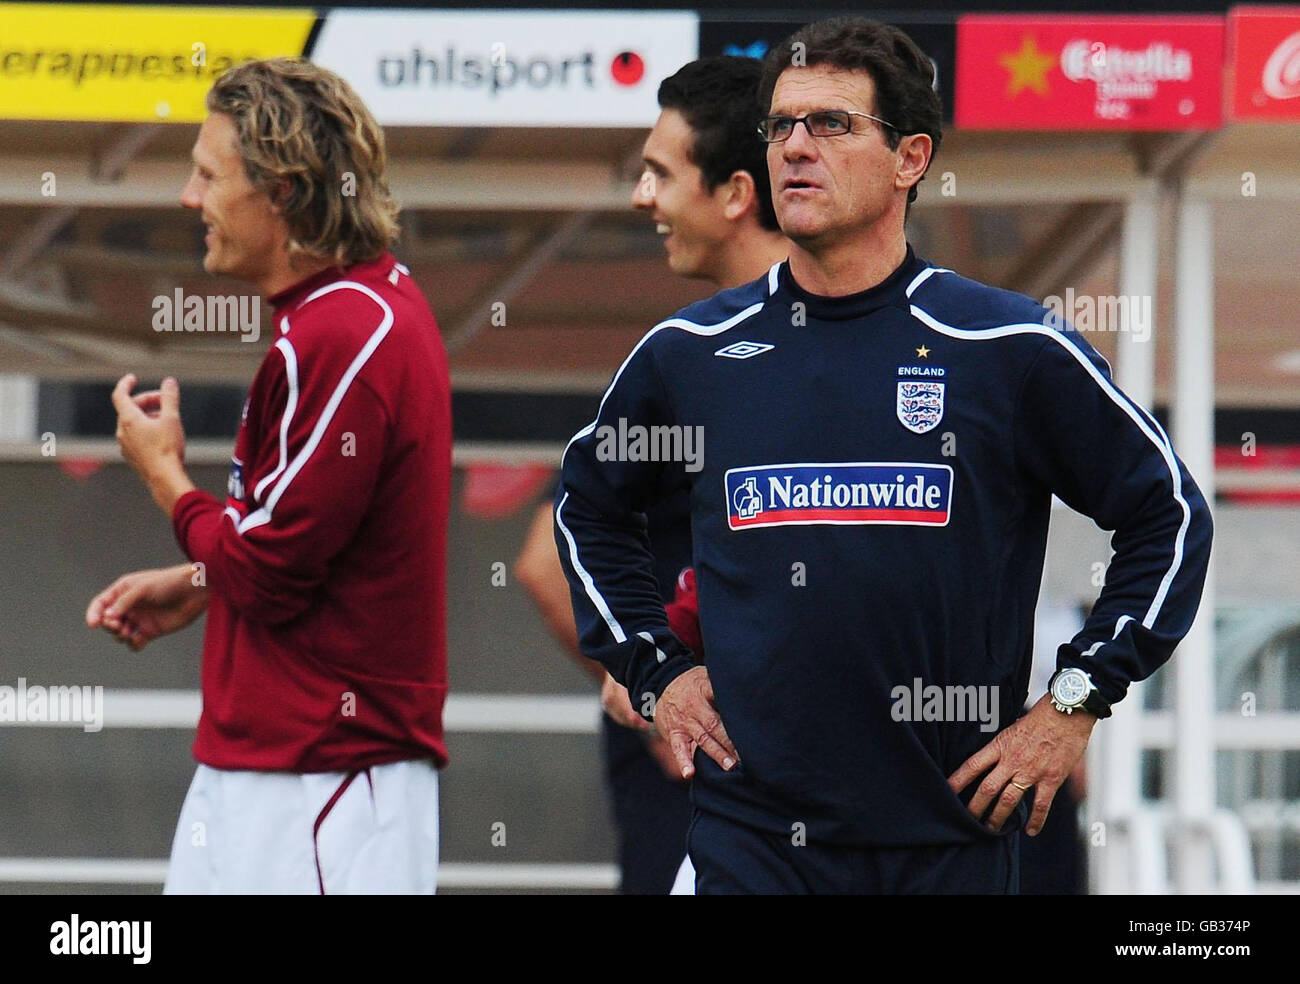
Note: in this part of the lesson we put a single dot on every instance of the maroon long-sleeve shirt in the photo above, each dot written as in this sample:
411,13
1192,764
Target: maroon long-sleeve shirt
326,644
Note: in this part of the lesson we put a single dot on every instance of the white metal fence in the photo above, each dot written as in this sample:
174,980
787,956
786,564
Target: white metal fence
464,713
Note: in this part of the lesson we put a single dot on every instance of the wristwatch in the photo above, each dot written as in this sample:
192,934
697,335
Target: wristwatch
1072,689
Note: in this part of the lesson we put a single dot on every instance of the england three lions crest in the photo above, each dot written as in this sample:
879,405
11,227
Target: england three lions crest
920,405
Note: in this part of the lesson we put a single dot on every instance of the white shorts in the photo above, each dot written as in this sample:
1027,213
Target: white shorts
281,833
684,884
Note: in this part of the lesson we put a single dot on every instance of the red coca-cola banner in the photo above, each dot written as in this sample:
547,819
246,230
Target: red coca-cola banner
1264,63
1095,73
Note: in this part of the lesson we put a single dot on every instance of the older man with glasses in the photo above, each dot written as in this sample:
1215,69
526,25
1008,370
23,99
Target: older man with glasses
882,440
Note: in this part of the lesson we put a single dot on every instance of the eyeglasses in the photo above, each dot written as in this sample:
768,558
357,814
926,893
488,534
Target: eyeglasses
825,123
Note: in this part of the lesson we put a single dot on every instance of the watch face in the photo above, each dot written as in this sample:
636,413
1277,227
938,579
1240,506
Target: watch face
1071,687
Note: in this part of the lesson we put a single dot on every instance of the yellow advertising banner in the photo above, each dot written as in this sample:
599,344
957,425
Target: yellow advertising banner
133,64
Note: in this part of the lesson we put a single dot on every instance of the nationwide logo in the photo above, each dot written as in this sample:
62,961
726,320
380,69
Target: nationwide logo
839,494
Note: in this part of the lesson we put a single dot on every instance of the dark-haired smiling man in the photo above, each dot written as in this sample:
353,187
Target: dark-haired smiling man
704,185
704,181
882,439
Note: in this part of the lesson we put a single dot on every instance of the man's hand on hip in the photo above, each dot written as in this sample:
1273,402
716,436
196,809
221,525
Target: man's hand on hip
1039,750
686,718
614,698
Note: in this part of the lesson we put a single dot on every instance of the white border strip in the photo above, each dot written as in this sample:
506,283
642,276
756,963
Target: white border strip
464,713
152,871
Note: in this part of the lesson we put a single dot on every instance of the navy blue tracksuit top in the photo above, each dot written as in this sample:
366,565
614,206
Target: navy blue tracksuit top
869,512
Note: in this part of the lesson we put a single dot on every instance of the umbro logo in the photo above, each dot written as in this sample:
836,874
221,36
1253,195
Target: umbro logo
744,350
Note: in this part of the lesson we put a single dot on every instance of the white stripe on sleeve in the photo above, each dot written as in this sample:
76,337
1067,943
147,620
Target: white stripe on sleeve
263,515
